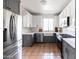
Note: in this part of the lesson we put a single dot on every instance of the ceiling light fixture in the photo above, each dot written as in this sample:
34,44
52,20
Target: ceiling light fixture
43,2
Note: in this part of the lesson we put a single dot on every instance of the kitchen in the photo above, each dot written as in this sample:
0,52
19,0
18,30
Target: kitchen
45,29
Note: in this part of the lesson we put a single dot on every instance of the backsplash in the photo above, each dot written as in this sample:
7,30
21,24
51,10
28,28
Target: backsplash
29,30
70,30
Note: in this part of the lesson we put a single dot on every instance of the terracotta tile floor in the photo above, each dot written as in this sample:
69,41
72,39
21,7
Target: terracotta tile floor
41,51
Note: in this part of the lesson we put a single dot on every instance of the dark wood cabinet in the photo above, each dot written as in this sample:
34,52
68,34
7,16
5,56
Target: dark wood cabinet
39,37
49,39
27,40
58,42
12,5
68,51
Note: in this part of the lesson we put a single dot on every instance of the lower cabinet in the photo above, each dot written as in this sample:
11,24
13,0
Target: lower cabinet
59,42
39,37
49,39
27,40
68,51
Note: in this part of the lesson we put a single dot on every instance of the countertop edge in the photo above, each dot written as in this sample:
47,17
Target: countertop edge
68,40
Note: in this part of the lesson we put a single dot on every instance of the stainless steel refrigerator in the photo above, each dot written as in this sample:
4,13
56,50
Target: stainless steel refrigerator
12,35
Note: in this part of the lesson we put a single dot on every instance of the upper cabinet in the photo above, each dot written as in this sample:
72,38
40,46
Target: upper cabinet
66,12
12,5
37,21
27,18
73,9
69,10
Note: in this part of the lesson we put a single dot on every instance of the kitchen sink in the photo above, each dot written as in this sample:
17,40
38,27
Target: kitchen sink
67,36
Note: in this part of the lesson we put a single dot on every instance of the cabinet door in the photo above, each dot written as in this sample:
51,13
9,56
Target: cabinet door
27,40
49,39
65,12
27,20
24,21
68,51
15,6
7,4
38,37
33,40
71,52
45,39
12,5
64,50
68,10
30,20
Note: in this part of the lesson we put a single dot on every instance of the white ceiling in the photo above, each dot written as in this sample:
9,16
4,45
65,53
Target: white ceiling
51,7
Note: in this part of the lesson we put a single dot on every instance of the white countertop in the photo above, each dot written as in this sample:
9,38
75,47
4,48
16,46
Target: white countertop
28,33
37,32
41,32
45,32
70,41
